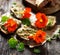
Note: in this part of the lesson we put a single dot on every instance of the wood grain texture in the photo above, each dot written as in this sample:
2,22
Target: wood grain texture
52,48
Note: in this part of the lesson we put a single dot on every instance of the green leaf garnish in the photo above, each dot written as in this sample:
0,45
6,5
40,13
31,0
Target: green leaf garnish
59,31
56,36
50,21
49,39
12,43
26,21
49,24
36,50
4,19
20,46
14,3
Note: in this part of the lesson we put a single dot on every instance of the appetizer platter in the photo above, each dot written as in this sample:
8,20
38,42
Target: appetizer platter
29,28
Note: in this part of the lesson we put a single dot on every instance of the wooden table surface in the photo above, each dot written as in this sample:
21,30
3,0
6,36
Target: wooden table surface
52,48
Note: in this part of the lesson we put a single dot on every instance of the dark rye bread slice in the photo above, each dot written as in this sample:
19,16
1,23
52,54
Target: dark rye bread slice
50,7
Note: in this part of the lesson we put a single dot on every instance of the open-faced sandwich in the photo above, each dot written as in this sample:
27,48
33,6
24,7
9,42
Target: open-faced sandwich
40,20
19,12
8,24
31,37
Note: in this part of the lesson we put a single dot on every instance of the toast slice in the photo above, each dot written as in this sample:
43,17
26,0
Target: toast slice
23,34
3,25
51,21
16,10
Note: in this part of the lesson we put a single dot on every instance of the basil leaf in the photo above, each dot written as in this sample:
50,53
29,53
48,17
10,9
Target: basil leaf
4,19
26,21
20,46
12,43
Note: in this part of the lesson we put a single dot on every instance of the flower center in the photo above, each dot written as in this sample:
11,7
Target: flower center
41,20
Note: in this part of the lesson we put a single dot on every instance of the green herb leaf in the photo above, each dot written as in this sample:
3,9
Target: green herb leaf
14,3
49,24
59,31
36,50
4,19
56,36
50,21
20,46
26,21
12,43
49,39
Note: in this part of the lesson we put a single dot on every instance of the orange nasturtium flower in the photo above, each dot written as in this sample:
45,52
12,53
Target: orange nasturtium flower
11,25
41,21
27,12
39,37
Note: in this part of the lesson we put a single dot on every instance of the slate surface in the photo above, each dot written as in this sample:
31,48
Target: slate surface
52,48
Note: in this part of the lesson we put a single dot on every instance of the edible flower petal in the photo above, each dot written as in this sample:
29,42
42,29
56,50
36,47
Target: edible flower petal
41,21
27,12
26,15
11,25
39,37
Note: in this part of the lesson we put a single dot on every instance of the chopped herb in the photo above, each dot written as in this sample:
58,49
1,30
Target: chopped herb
12,43
20,46
36,50
26,21
4,19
